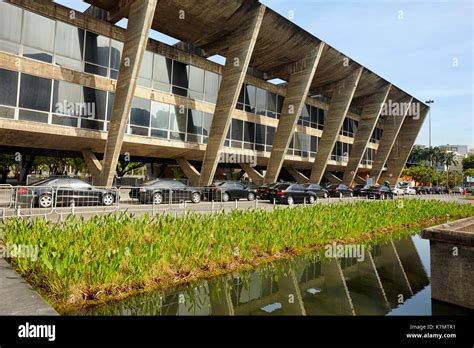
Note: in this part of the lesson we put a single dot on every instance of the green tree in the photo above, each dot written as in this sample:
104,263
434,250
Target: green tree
468,162
421,173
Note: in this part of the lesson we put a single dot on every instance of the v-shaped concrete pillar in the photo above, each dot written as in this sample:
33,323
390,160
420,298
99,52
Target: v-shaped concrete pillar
237,62
391,128
140,18
401,150
338,108
371,110
296,93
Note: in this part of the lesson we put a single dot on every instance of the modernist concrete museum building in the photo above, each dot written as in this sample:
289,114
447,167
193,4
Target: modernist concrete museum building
75,82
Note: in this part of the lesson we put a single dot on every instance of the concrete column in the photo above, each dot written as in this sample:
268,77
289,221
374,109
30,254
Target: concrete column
256,177
93,164
338,108
297,175
296,93
391,127
401,150
371,110
188,169
237,62
136,37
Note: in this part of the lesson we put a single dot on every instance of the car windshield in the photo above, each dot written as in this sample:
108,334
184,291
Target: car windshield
153,182
44,182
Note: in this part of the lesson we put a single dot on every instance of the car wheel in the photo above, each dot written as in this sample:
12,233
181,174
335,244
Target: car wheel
196,197
45,201
108,199
157,198
225,197
290,200
251,196
325,195
312,200
340,194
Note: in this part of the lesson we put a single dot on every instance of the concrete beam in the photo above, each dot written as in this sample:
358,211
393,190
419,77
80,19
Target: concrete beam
136,37
401,149
256,177
188,169
93,164
297,175
234,72
392,126
359,180
120,11
338,108
332,178
371,110
296,93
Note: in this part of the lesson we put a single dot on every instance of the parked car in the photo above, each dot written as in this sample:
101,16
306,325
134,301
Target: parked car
320,191
360,190
423,190
399,191
379,192
291,193
231,190
409,191
458,190
262,191
65,192
164,191
339,190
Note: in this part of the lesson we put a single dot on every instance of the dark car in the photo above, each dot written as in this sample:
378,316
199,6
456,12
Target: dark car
360,190
379,192
65,192
320,191
291,193
231,190
423,190
339,190
439,190
165,191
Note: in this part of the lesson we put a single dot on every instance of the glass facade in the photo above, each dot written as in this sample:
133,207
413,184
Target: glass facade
376,135
27,97
341,151
369,156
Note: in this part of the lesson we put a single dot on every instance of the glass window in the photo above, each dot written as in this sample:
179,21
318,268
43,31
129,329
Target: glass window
259,134
94,103
116,49
237,129
10,22
206,123
162,68
271,104
110,104
250,98
7,112
8,46
249,132
64,121
8,87
95,69
160,115
91,124
261,101
35,93
178,118
211,86
146,70
196,79
33,116
38,32
69,41
140,112
97,49
67,98
270,135
280,101
194,122
37,54
180,75
314,144
69,63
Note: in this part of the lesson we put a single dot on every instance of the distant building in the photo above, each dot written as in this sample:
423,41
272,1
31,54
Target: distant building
460,149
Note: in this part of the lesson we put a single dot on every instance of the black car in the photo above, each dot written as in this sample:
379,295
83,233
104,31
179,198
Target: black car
360,190
262,191
165,191
339,190
320,191
379,192
439,190
291,193
423,190
230,190
65,192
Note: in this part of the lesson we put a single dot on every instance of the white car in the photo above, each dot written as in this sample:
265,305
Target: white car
398,191
409,191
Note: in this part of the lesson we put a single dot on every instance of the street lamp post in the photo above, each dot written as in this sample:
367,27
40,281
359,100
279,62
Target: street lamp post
429,120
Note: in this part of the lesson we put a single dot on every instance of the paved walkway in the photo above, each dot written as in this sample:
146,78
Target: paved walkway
17,297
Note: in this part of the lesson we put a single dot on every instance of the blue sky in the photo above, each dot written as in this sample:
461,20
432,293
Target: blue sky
425,47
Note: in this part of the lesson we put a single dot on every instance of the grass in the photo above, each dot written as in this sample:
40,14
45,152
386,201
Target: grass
114,256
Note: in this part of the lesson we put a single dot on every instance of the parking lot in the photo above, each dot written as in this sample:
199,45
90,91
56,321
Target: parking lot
10,205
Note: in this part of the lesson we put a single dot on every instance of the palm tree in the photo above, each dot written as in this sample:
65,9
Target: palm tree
449,159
